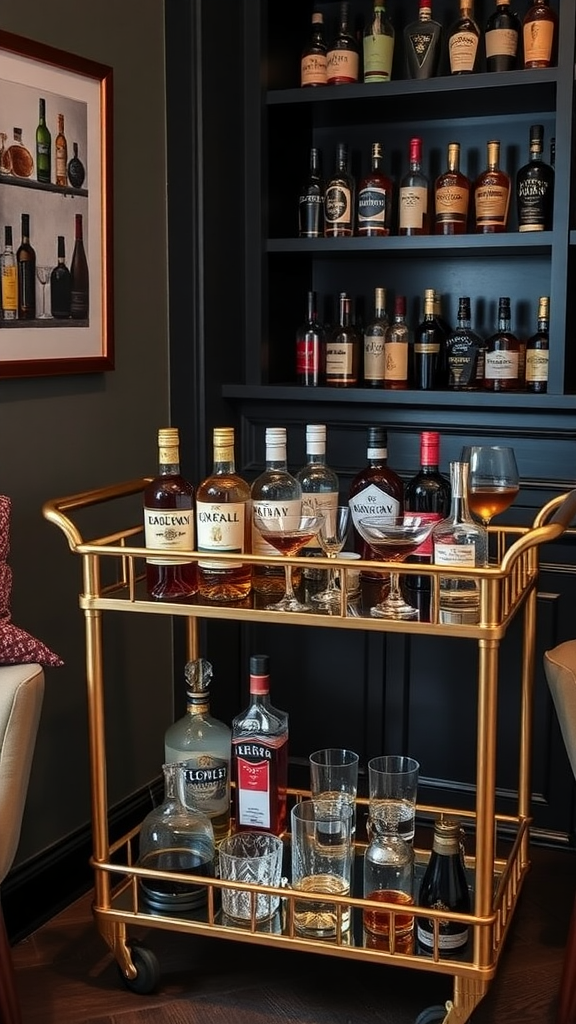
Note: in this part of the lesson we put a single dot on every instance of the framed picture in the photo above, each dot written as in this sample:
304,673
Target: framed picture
56,313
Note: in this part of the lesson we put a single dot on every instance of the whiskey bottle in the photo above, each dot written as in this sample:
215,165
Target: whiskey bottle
451,196
428,356
502,355
319,483
423,44
539,30
260,757
339,198
535,187
343,349
18,159
444,887
203,745
414,213
61,150
76,171
9,277
378,45
26,268
4,156
374,332
223,524
313,69
60,284
459,541
375,198
273,492
43,146
501,38
428,494
342,58
537,352
376,490
311,200
169,525
310,347
80,294
464,348
396,346
463,40
492,194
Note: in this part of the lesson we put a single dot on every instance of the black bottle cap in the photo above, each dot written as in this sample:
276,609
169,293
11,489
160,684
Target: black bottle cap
259,665
377,437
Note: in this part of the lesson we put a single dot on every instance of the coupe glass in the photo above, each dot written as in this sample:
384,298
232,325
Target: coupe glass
288,535
393,538
493,480
332,537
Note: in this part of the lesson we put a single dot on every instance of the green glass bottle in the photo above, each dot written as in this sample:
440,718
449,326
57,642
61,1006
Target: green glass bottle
43,147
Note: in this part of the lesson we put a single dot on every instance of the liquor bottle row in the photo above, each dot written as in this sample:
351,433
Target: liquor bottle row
17,160
342,53
389,354
451,205
20,271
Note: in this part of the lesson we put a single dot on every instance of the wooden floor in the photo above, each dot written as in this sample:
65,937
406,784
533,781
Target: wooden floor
66,975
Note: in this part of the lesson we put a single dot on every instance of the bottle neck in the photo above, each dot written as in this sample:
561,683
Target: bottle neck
197,704
459,483
276,458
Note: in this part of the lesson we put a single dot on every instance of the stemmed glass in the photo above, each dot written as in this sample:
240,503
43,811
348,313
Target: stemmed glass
393,538
288,535
43,275
332,537
493,480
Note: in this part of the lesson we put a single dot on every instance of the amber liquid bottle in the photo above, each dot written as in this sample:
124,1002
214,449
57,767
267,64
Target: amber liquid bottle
492,194
396,347
537,352
451,197
376,490
169,525
463,41
502,357
375,199
539,30
61,150
339,199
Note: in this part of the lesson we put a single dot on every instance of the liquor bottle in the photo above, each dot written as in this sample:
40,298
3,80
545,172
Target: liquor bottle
311,200
443,324
451,196
18,159
535,187
260,757
310,347
374,368
537,351
274,492
388,871
343,349
223,524
501,38
342,57
428,494
320,484
26,267
60,284
61,150
444,886
9,276
339,198
502,356
79,305
423,44
375,490
43,146
463,39
396,347
313,69
76,171
464,348
375,198
428,352
539,33
459,541
492,194
4,157
414,213
203,744
378,45
169,524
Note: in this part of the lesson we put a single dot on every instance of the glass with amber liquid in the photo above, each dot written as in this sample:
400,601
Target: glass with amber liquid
493,480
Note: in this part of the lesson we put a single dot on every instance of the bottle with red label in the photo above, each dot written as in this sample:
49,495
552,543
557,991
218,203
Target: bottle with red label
260,757
427,493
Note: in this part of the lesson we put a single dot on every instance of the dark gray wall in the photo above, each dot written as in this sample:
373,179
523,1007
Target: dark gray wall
64,434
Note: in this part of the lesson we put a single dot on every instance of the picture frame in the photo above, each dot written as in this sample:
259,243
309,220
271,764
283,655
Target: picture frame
55,184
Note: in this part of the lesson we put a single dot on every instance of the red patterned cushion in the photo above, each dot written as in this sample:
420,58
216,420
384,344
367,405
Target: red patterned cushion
17,647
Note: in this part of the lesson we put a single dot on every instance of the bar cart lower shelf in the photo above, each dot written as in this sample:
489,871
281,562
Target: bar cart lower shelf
112,581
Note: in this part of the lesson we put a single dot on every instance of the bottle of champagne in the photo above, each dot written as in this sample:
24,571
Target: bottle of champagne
502,357
501,38
396,348
313,69
339,198
423,44
320,485
463,39
204,744
374,334
223,524
414,213
464,352
60,284
9,277
428,494
274,492
169,524
492,194
343,349
378,45
43,146
76,171
535,187
539,30
451,196
79,305
260,757
375,199
459,541
342,58
444,886
311,200
537,351
428,351
310,347
26,267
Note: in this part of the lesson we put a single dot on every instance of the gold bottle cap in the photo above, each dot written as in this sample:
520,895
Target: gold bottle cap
429,300
493,148
380,298
543,307
168,437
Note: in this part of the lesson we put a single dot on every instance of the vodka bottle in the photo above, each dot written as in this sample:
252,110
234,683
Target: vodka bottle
462,543
169,524
320,485
275,492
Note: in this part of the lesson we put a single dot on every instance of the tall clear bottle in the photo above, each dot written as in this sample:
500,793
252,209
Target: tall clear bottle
223,524
274,492
9,277
203,744
169,524
311,347
340,198
320,484
342,58
260,757
414,200
374,334
460,542
444,887
378,45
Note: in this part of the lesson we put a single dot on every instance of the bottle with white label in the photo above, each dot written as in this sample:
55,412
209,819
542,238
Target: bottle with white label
276,492
376,490
320,485
462,543
169,525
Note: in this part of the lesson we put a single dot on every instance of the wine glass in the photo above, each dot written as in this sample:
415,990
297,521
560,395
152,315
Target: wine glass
288,534
493,480
43,275
332,537
393,538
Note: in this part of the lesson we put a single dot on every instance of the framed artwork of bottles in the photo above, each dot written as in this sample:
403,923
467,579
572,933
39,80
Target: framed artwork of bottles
55,211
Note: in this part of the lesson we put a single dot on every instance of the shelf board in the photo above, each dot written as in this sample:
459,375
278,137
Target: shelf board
506,244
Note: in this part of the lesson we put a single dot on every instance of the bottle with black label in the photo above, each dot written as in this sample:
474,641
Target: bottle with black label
535,187
444,887
311,200
340,198
375,199
465,350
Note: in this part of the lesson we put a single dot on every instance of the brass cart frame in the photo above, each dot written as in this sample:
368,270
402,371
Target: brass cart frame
507,588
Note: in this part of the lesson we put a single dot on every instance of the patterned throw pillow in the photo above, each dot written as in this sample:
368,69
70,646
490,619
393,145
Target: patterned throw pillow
17,647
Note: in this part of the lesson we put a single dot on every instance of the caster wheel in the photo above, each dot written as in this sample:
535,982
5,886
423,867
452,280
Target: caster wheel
147,968
432,1015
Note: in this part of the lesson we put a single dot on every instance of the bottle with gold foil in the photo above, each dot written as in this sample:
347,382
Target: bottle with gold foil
343,349
169,525
451,196
537,351
444,887
61,150
492,194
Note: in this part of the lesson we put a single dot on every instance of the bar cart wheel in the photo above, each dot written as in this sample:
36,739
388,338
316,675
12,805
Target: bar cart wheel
432,1015
147,970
